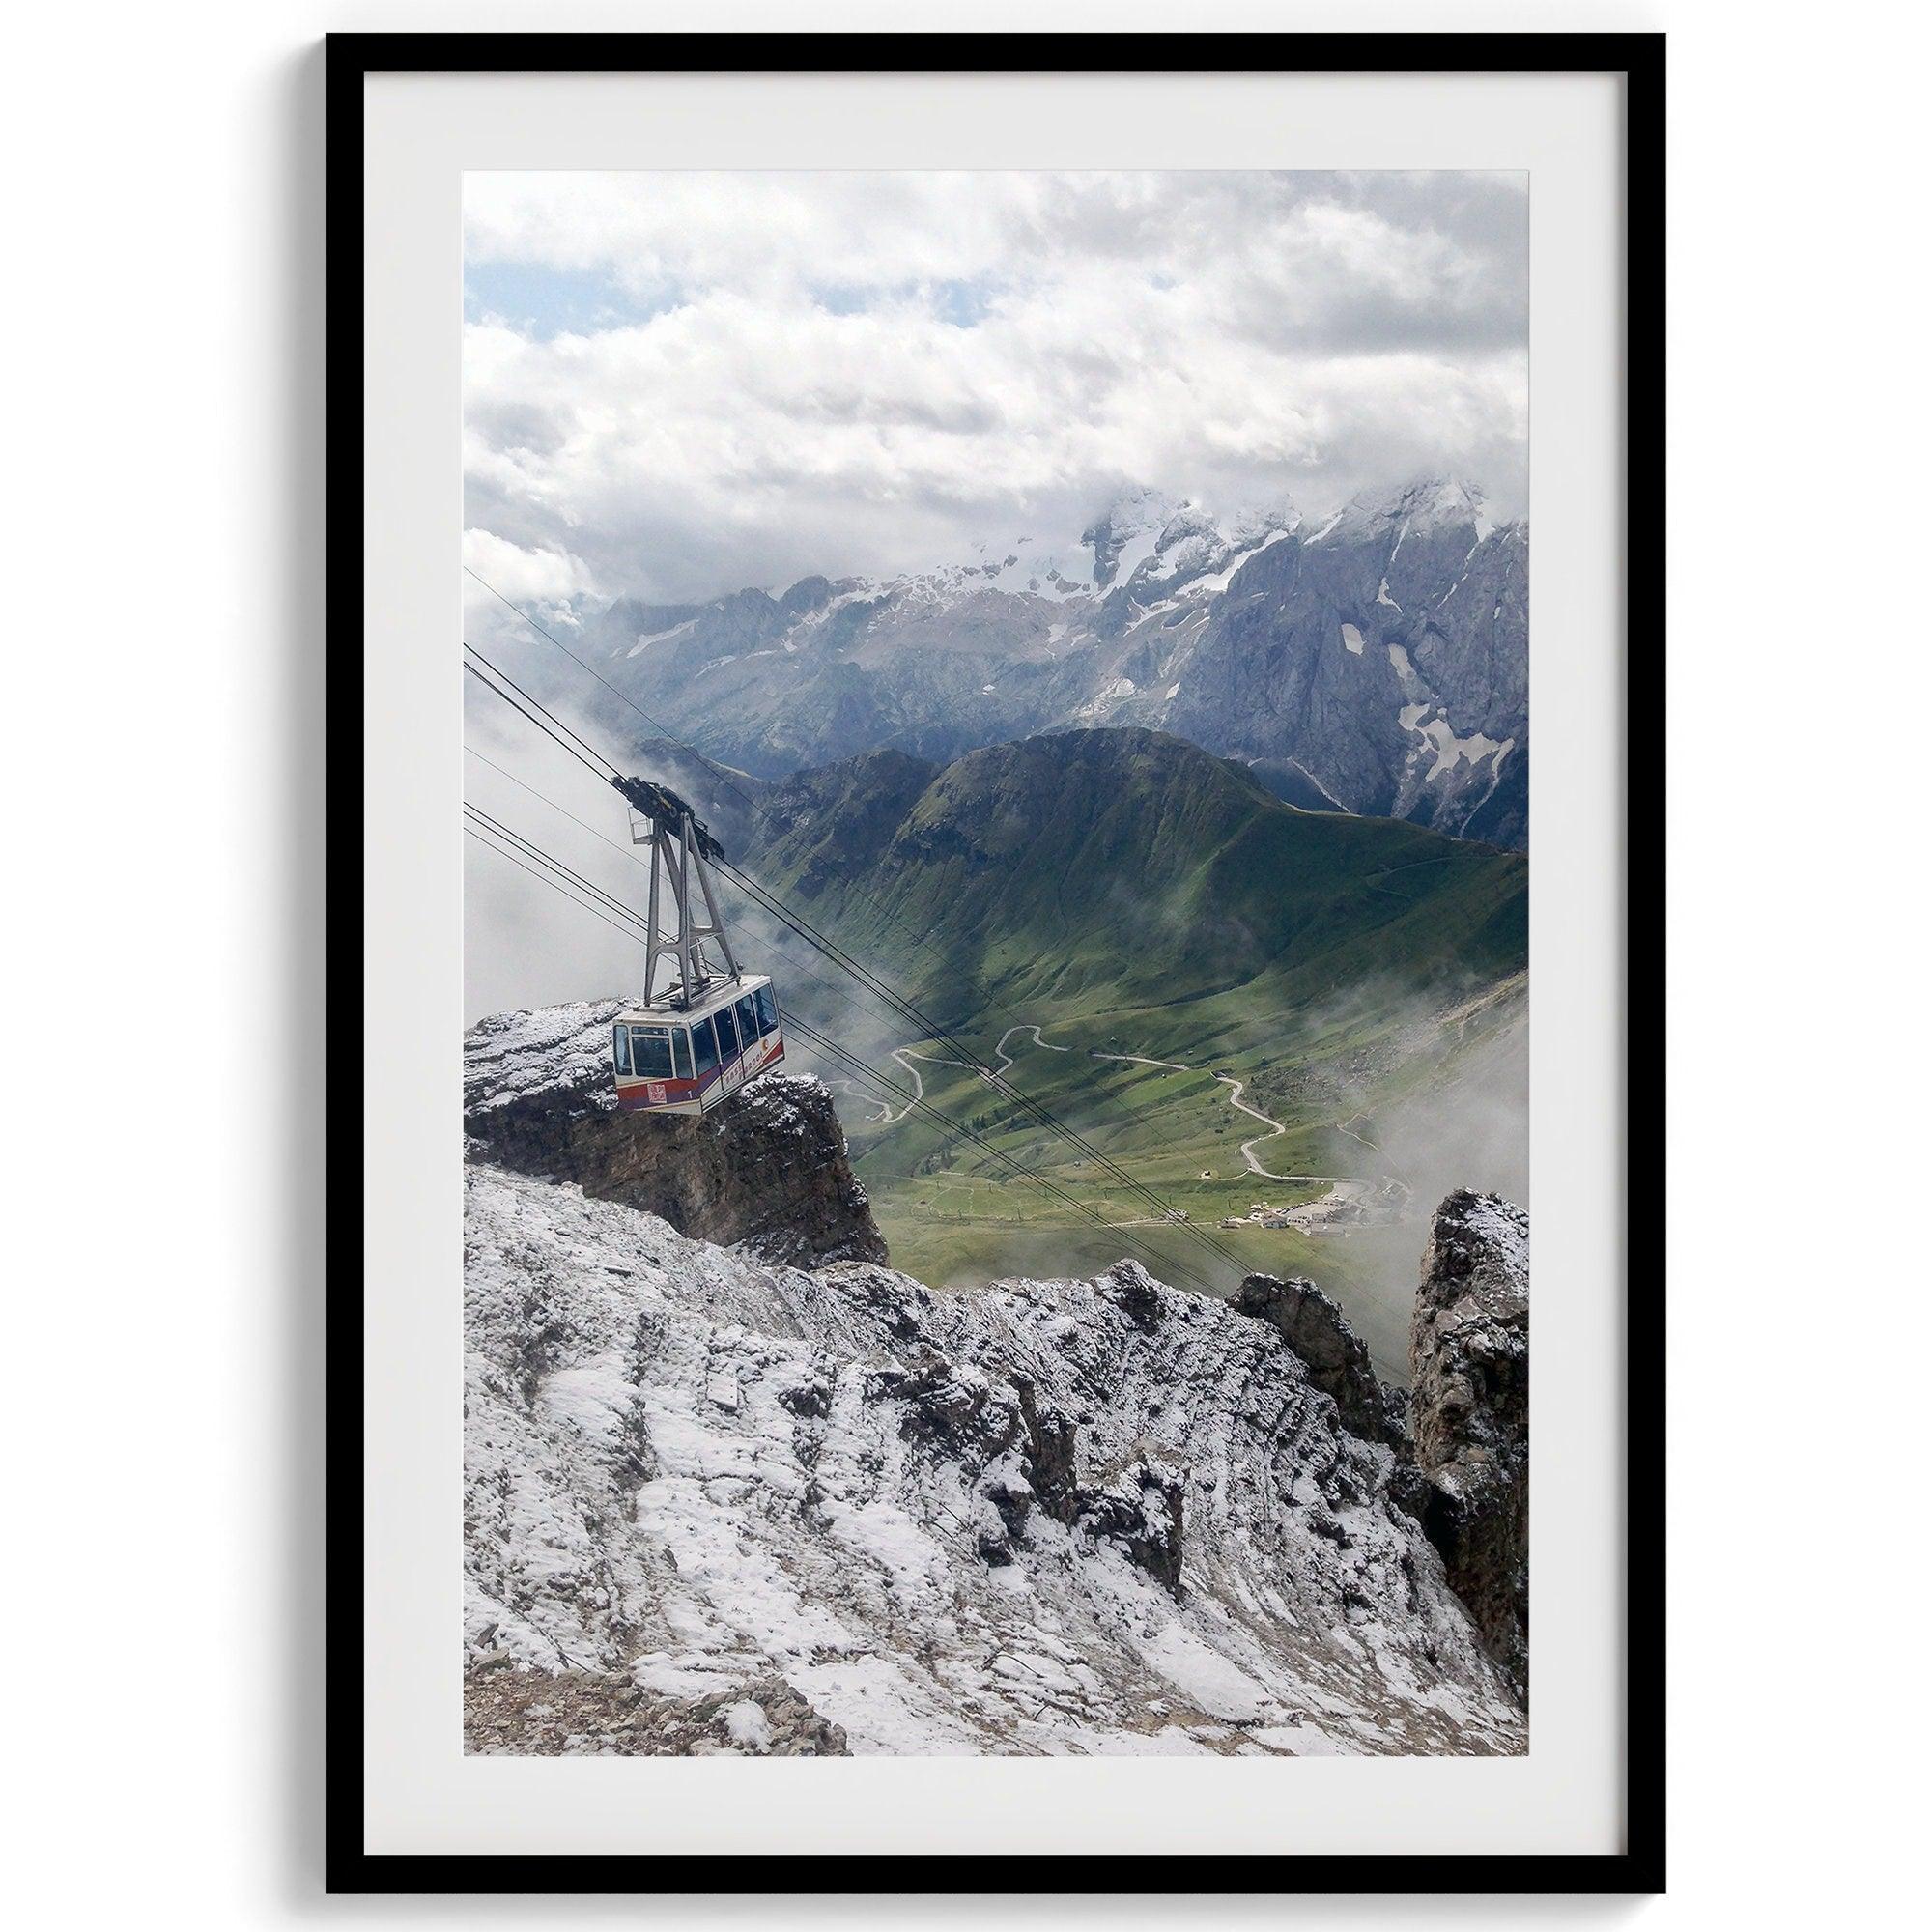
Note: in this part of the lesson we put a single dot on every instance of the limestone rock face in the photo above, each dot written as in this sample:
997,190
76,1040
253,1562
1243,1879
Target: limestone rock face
1337,1357
768,1169
1469,1414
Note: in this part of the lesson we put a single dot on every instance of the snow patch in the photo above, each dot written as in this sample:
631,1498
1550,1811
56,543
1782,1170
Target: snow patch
1452,751
1208,1679
1215,584
747,1725
644,643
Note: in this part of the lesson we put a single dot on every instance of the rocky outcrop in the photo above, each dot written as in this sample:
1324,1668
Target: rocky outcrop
769,1169
1469,1414
1337,1357
1462,1434
960,1415
1141,1509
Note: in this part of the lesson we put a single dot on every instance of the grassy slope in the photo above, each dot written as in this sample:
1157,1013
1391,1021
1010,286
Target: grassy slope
1121,869
1131,893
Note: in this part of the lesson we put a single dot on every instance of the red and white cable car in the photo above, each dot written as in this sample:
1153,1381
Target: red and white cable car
691,1061
690,1047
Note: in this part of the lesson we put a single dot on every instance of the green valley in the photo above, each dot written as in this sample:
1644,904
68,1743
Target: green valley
1317,984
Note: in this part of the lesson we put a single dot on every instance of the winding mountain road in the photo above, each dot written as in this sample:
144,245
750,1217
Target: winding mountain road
905,1056
1236,1088
1003,1061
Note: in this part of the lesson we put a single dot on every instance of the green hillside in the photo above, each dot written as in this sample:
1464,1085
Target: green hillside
1096,870
1131,895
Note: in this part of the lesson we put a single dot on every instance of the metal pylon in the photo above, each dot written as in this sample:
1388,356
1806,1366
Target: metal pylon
675,854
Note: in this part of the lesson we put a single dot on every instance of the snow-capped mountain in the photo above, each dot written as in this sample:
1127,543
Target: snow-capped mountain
1376,662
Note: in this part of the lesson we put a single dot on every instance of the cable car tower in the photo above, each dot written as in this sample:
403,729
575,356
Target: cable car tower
680,843
696,1041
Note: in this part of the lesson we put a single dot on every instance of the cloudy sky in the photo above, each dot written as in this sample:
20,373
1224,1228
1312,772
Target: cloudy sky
682,384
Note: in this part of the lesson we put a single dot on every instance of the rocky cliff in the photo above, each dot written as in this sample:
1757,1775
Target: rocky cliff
769,1169
1469,1414
1461,1433
1336,1357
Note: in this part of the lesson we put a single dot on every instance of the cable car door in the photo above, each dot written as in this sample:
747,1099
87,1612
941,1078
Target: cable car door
731,1051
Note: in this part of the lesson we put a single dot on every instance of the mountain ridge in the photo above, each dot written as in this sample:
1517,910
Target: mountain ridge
1126,865
1383,656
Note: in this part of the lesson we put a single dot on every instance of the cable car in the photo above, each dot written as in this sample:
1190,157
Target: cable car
689,1062
687,1049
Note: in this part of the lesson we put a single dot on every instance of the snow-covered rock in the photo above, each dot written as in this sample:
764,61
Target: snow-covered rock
1060,1516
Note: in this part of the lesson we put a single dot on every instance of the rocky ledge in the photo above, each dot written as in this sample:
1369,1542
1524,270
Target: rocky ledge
770,1170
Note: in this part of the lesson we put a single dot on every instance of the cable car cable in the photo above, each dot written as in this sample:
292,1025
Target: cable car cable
587,753
535,851
930,1029
657,725
543,880
933,1030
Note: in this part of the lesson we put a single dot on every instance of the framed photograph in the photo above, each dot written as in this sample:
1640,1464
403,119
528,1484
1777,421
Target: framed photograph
966,969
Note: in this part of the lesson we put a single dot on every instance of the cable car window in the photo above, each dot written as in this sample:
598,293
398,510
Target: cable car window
727,1036
747,1020
706,1047
768,1010
650,1053
621,1041
680,1041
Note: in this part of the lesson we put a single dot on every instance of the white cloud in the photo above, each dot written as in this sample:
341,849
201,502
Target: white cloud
539,575
680,384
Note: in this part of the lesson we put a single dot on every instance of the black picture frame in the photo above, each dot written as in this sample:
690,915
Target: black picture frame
1639,59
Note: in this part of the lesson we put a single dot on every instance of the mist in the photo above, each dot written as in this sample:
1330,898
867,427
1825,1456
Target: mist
1470,1131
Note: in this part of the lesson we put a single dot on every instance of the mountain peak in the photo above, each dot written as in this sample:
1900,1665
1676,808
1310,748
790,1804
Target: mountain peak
1426,504
1175,538
1125,535
1256,524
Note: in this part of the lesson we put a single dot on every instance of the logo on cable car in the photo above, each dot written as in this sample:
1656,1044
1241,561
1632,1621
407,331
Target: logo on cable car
657,1091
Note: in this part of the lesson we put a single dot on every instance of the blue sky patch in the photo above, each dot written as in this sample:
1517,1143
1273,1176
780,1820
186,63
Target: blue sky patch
545,301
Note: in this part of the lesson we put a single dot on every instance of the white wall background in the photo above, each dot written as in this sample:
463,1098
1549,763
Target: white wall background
164,784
